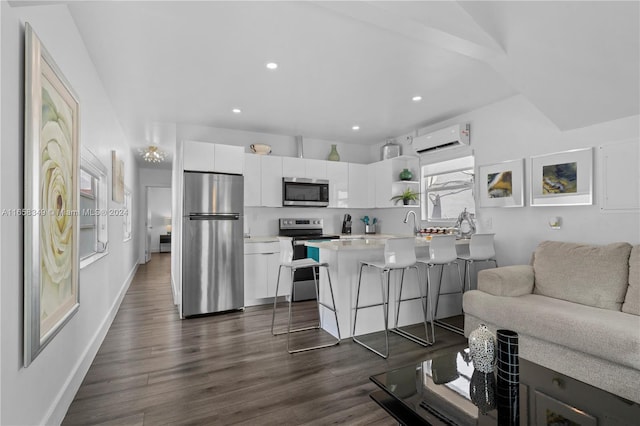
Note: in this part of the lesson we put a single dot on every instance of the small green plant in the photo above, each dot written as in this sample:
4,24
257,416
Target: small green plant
407,196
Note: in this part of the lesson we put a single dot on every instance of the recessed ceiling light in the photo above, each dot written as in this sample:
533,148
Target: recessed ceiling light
356,127
236,110
416,98
272,65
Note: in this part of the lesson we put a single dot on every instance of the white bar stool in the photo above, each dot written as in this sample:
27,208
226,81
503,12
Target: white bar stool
442,252
481,249
399,254
286,261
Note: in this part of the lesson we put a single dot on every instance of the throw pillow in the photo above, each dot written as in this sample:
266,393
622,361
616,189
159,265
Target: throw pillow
631,303
590,275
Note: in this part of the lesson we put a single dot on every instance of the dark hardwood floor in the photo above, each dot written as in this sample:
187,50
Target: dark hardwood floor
155,369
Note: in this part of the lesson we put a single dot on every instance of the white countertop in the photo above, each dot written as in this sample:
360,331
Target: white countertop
368,242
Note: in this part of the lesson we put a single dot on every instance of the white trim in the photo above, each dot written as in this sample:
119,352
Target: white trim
58,409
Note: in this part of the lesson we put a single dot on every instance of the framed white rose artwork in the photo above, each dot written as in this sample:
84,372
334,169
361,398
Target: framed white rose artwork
51,192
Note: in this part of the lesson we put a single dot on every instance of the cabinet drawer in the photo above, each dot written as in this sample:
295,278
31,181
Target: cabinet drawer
257,248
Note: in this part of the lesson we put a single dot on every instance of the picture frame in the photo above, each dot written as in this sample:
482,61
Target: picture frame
51,197
117,178
501,184
562,178
550,411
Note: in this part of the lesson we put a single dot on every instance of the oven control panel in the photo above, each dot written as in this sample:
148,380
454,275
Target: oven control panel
300,223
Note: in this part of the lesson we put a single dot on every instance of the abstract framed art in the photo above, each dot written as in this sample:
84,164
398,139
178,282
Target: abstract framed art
562,179
51,170
501,184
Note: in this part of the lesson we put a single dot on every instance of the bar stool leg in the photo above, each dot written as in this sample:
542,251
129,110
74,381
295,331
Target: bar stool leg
442,323
406,334
290,302
385,310
333,302
385,307
333,308
467,272
316,287
355,316
395,325
275,301
429,308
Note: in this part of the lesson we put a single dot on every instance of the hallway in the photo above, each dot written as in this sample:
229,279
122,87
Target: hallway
154,368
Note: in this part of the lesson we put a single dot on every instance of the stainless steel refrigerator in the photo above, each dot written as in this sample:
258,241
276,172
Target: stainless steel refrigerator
212,243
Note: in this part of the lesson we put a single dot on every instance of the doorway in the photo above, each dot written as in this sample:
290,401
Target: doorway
158,221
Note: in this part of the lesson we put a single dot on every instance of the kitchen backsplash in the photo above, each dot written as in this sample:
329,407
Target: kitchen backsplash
263,221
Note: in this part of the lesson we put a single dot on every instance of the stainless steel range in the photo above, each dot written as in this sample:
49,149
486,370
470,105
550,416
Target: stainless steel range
301,230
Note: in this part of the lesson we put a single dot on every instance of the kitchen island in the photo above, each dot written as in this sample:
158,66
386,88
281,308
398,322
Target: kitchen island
344,256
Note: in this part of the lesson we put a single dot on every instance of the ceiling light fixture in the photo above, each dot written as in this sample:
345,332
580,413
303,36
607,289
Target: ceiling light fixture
236,110
416,98
356,127
152,154
272,65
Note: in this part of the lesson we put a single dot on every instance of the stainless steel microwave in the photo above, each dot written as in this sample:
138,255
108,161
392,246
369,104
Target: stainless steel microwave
305,192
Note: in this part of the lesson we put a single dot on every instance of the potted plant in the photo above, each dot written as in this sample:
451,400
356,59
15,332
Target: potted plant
407,197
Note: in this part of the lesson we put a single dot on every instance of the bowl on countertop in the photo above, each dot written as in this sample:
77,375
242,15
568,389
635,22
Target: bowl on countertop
261,148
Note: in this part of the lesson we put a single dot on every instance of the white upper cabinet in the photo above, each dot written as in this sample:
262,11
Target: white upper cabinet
315,169
304,168
211,157
271,180
252,180
198,156
229,159
359,186
382,175
338,174
293,167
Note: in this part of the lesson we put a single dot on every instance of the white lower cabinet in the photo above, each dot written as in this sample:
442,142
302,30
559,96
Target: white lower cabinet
261,263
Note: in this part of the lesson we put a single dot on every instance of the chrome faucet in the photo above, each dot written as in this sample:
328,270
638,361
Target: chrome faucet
416,230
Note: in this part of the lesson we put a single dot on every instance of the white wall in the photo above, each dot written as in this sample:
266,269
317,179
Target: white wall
41,393
149,177
512,129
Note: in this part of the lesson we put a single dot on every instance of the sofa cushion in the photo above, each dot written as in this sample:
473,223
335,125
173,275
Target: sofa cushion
607,334
631,303
513,280
590,275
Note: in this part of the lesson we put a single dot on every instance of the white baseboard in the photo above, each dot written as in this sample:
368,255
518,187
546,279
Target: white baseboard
63,400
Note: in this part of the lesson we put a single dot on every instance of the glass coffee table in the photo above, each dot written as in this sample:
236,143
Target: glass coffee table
445,390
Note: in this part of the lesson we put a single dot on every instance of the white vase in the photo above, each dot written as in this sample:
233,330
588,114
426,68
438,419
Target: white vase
482,345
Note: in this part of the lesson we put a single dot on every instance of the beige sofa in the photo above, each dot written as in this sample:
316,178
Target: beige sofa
576,310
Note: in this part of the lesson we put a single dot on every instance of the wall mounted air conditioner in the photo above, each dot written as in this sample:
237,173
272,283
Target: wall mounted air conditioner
449,137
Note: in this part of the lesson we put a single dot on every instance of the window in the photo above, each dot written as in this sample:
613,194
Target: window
448,189
93,237
126,226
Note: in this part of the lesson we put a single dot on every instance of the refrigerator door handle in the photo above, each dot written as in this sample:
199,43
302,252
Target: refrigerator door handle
214,216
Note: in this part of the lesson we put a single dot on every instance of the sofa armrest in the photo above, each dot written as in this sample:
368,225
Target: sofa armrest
514,280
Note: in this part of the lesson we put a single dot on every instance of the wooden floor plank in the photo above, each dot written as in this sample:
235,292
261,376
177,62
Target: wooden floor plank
154,368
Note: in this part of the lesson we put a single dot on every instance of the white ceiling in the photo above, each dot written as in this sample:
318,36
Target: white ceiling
346,63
